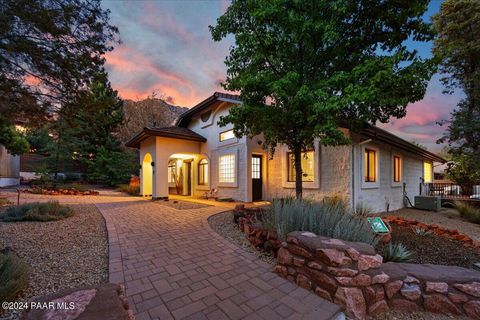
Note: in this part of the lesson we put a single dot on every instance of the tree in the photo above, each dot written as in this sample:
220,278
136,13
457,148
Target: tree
458,49
319,65
49,50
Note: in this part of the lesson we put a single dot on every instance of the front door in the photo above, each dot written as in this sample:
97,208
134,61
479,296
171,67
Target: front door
256,178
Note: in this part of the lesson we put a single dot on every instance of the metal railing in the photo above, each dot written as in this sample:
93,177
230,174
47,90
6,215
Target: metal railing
450,190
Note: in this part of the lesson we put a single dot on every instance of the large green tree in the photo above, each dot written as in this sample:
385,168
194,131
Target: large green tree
458,49
305,68
49,49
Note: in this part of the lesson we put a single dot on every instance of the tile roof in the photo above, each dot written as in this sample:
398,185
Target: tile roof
169,132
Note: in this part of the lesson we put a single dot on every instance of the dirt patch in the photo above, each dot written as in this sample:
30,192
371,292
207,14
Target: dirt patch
434,249
223,224
61,254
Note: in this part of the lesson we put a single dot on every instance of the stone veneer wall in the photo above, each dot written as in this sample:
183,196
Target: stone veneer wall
353,276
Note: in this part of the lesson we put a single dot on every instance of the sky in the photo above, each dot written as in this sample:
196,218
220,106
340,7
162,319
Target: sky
167,48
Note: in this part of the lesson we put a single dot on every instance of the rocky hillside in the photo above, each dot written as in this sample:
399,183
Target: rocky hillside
150,112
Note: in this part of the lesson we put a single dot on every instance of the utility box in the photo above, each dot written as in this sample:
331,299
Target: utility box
432,203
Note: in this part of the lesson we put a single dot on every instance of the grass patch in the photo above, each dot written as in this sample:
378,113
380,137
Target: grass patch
333,219
37,211
467,211
131,190
13,276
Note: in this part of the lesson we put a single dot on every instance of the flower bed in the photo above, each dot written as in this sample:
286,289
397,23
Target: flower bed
353,275
446,233
61,192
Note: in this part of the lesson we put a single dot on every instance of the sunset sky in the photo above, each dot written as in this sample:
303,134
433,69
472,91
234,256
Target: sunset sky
166,47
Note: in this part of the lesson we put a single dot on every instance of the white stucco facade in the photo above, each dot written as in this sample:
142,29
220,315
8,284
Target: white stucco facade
337,171
9,168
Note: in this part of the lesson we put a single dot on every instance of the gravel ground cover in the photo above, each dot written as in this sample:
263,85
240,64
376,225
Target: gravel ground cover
61,254
182,205
446,218
434,249
416,316
223,224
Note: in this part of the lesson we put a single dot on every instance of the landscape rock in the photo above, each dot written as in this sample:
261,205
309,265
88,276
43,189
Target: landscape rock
353,302
378,308
380,278
440,304
472,309
333,257
342,272
366,262
457,297
393,287
472,289
439,287
303,282
403,305
411,291
284,256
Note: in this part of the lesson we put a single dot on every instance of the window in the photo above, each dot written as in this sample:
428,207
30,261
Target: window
172,171
227,135
427,172
307,164
397,169
370,165
256,170
226,168
203,172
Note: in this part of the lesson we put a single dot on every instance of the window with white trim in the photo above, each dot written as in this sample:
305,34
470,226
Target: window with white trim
427,172
397,168
370,165
307,163
226,168
226,135
172,171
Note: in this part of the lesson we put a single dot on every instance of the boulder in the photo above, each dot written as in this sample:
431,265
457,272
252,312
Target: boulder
393,287
472,309
472,289
439,303
439,287
333,257
366,262
353,302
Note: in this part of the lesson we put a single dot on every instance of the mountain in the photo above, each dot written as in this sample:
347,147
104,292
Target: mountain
150,112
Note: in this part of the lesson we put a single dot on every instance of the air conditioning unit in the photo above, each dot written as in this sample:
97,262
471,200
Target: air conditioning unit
432,203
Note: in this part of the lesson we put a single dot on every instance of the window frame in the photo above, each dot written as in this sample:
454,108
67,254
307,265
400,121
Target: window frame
234,170
170,168
290,154
224,132
396,182
369,184
368,176
424,162
202,165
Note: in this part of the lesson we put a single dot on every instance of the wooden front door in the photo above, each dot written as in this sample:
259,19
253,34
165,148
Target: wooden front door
257,178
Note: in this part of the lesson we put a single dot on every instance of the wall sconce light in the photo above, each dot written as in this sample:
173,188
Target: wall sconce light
153,163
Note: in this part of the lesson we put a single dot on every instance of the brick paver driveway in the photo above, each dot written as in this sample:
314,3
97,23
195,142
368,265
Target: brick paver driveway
175,267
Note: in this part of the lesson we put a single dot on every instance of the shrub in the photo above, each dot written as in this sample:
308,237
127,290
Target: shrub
468,211
422,232
4,202
362,210
396,252
132,190
327,218
46,211
13,276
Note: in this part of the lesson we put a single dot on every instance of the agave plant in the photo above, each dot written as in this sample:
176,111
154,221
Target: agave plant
422,232
396,252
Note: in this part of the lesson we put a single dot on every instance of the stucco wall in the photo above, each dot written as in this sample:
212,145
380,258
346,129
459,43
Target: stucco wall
332,174
386,194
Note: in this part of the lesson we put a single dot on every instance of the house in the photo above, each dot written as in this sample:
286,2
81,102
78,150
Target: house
196,155
9,168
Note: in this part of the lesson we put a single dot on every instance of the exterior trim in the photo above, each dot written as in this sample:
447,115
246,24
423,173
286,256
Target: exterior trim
168,132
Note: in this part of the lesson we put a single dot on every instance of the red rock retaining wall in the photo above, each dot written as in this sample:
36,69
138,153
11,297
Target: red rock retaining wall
353,275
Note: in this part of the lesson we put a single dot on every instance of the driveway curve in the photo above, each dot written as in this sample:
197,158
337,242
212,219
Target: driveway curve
174,266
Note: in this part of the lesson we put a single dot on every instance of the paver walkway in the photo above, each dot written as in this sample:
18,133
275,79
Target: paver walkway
175,267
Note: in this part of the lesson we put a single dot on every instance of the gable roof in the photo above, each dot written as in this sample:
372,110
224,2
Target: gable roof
185,117
169,132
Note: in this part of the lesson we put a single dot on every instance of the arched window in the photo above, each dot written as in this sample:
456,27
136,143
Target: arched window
203,172
172,171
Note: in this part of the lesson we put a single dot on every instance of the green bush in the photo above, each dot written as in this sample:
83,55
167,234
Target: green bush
332,219
46,211
132,190
396,252
468,211
362,210
13,276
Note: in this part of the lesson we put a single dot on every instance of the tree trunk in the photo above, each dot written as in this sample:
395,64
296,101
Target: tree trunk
297,161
